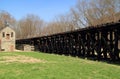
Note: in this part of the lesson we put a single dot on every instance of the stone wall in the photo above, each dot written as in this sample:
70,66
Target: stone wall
25,47
7,38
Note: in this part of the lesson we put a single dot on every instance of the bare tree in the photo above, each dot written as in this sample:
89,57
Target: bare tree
103,11
61,23
65,22
79,13
30,26
95,12
5,16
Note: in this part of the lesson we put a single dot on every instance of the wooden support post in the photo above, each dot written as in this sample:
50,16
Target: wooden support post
104,42
61,45
88,44
79,44
99,45
83,44
116,51
93,44
71,44
74,53
112,55
64,44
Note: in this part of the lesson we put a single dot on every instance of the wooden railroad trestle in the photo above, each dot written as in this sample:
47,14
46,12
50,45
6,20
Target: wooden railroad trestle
100,42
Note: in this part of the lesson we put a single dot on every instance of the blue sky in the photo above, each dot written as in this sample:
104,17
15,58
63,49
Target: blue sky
45,9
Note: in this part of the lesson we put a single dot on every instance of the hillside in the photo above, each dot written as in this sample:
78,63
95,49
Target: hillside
34,65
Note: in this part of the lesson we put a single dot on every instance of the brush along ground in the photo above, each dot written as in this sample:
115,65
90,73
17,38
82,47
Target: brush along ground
19,58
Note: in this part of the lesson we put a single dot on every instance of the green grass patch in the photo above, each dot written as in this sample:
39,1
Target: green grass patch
55,67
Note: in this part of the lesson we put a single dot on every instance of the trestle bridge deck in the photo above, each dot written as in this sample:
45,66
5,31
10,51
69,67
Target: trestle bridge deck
101,42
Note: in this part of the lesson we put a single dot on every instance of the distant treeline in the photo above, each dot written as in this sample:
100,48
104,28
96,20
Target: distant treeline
84,14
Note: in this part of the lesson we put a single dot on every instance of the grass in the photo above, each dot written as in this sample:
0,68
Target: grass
56,67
